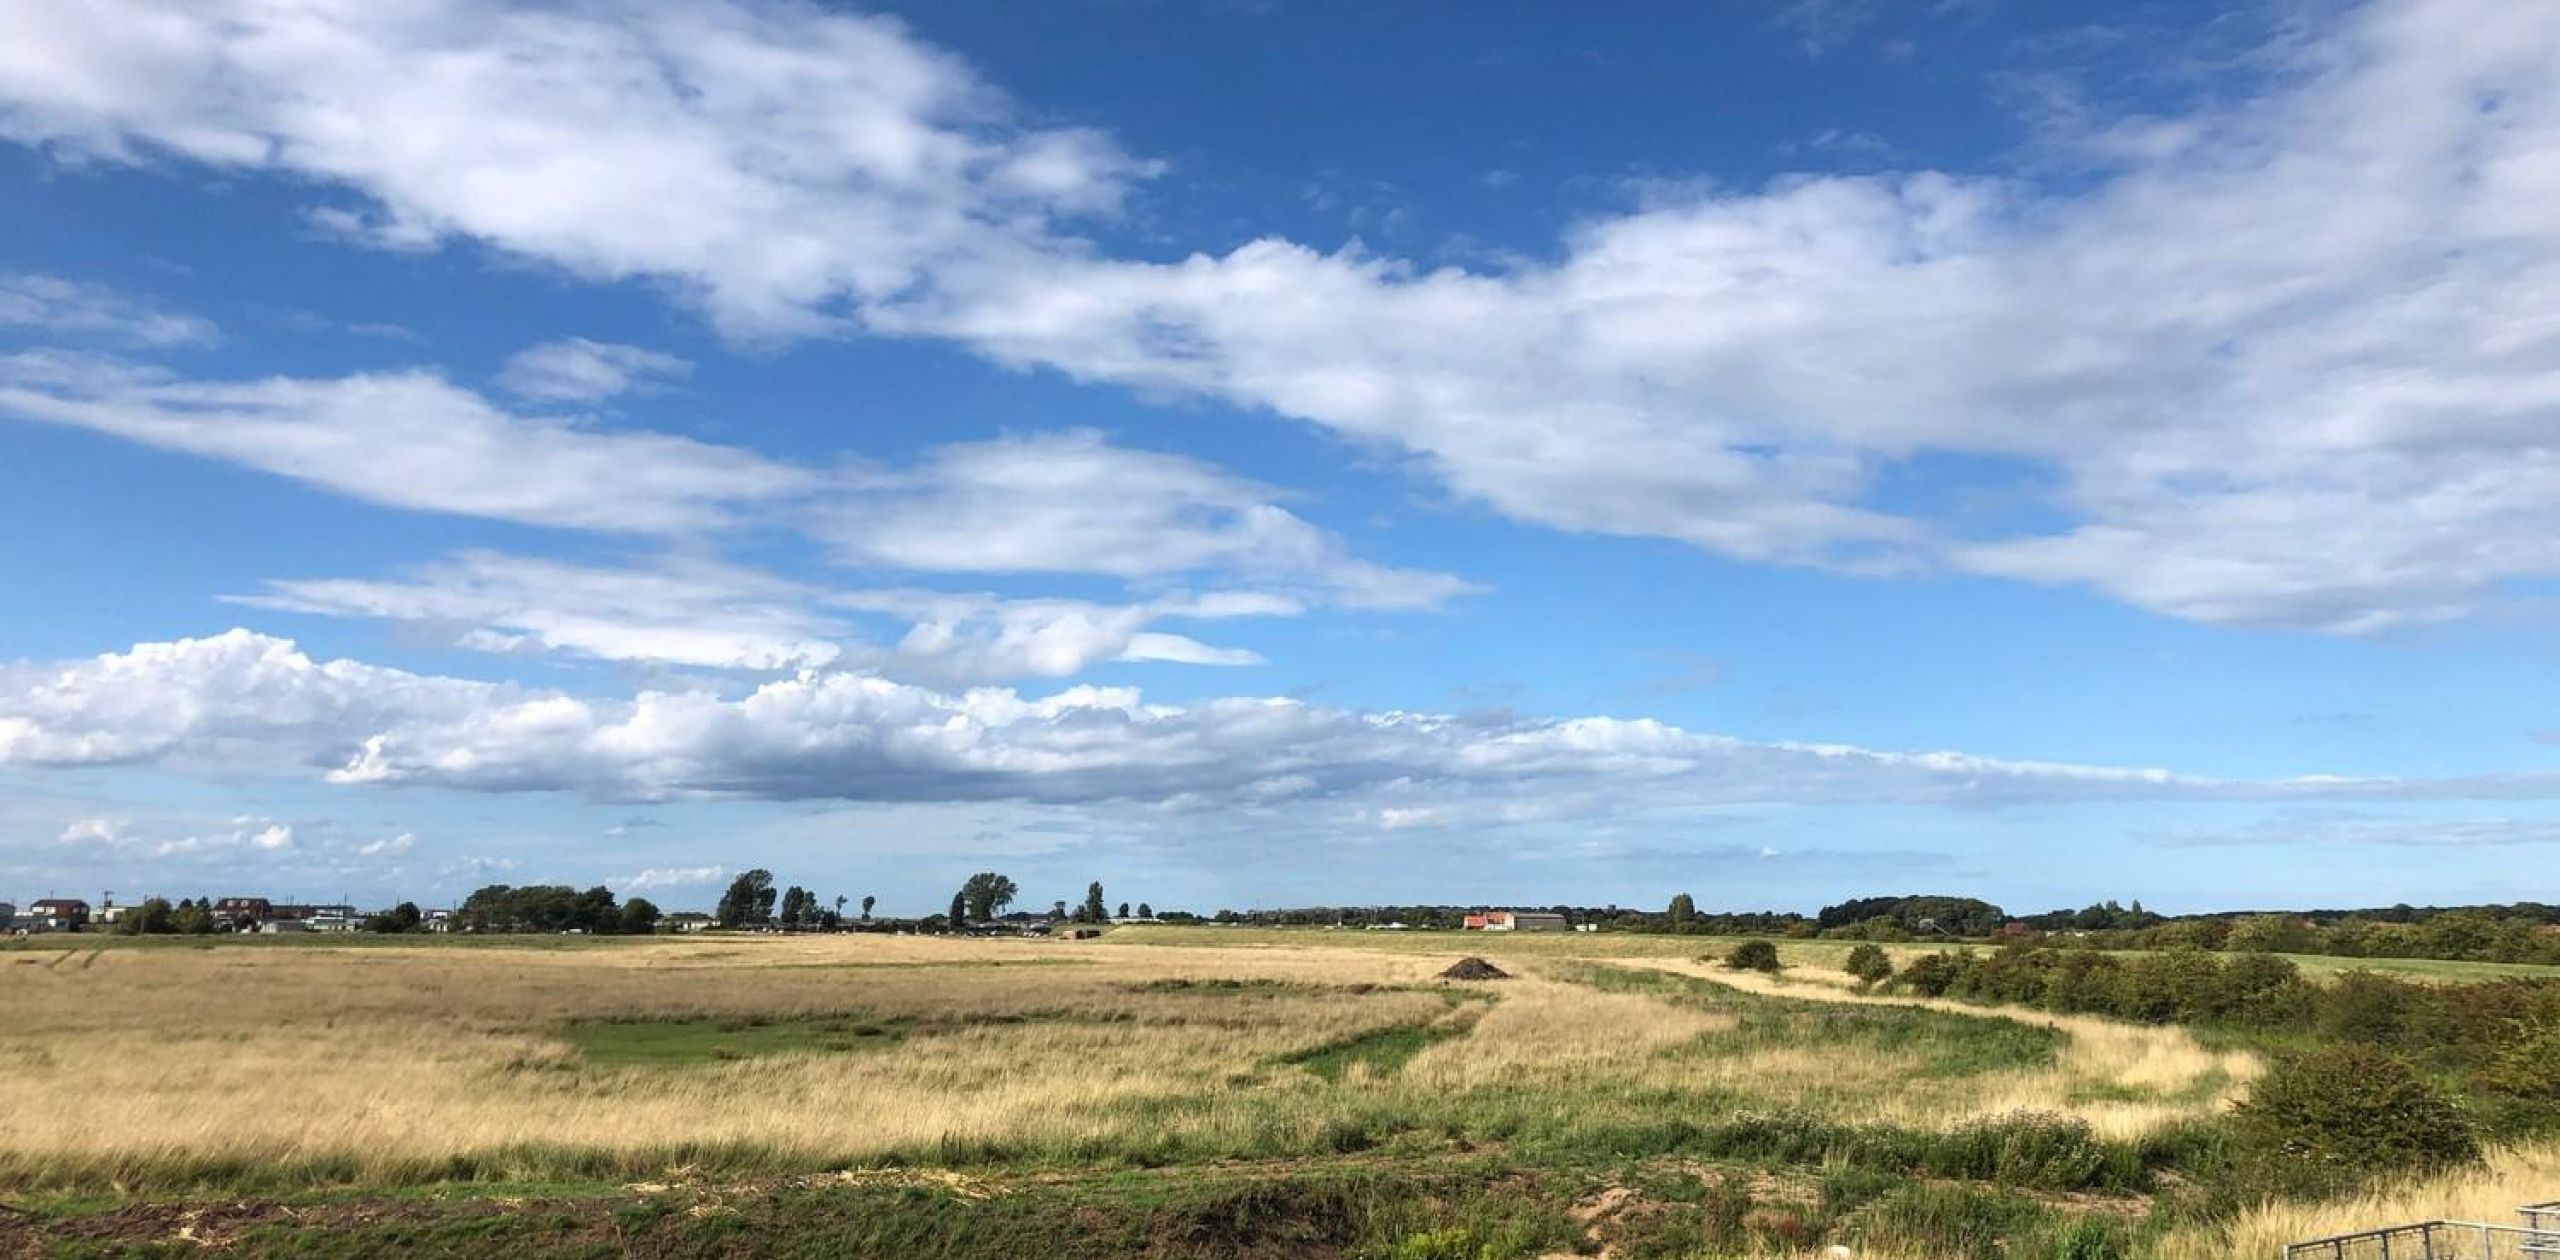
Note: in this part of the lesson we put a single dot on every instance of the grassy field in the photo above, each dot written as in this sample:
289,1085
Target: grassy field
1192,1092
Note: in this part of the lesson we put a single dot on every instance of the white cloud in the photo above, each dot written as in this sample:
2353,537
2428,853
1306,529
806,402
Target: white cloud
411,440
116,836
687,611
973,638
669,877
579,370
2294,828
770,159
1074,503
676,611
52,306
390,846
2285,360
242,701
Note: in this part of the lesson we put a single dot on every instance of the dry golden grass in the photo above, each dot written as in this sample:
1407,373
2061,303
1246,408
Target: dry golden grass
386,1063
2512,1178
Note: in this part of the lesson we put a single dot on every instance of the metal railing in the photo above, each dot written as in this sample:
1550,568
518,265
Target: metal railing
2538,1238
2543,1219
2433,1240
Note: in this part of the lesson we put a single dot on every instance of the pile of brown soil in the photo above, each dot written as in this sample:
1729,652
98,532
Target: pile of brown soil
1474,969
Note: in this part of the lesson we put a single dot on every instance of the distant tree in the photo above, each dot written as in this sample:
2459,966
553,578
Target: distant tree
1146,911
867,902
959,917
749,900
154,917
593,912
1124,911
1682,911
1059,911
1753,956
988,893
796,909
193,918
400,918
639,917
1093,911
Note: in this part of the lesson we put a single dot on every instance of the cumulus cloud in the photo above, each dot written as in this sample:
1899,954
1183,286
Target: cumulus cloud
244,700
53,306
581,371
2282,360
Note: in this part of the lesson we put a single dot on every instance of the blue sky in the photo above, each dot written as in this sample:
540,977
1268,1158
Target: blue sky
1260,453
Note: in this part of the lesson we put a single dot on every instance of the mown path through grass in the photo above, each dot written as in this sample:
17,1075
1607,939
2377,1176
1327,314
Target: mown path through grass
2124,1079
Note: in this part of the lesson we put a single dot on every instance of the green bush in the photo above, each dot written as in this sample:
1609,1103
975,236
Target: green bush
1930,975
1753,956
2328,1120
1869,964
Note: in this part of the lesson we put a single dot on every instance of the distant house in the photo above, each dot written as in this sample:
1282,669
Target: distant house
436,920
243,911
57,914
1517,921
688,922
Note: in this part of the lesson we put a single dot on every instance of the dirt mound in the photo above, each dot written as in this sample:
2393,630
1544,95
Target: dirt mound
1474,969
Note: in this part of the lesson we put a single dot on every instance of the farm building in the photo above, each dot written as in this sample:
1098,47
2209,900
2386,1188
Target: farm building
1517,921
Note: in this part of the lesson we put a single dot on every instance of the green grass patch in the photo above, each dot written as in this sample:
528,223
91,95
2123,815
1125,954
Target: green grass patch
675,1043
1382,1052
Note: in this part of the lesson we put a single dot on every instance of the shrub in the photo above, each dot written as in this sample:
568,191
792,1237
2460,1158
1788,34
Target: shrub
2328,1120
1753,956
1869,964
1930,975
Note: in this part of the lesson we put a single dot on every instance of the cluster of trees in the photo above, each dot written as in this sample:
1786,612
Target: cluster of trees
1911,917
157,916
750,901
549,908
2097,917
